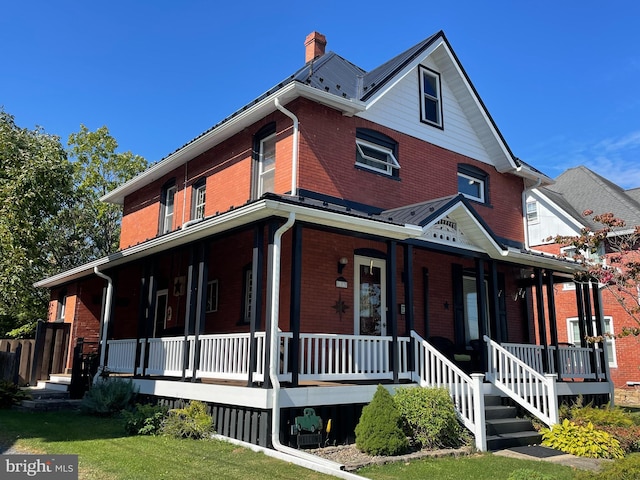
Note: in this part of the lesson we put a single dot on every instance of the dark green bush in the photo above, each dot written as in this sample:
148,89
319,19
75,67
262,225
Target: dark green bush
144,419
10,394
192,421
528,474
429,417
627,468
379,431
108,397
581,440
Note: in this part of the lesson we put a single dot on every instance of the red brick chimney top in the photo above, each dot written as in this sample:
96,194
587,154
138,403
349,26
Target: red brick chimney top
314,46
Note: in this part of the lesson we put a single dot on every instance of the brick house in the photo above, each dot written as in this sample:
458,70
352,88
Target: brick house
346,228
557,210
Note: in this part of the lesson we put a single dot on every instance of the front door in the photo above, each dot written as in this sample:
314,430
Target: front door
160,323
370,296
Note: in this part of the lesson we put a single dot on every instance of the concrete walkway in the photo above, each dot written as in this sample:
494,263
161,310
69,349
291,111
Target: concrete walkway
544,454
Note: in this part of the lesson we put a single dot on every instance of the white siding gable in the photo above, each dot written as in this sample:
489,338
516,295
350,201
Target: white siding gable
552,221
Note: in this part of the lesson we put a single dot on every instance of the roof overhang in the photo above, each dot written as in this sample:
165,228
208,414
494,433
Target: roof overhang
229,127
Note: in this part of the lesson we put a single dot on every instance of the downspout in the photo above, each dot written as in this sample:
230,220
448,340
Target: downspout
525,223
107,318
275,357
294,152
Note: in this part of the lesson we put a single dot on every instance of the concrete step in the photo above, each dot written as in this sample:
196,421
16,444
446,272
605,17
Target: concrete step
49,385
509,440
60,378
47,393
47,405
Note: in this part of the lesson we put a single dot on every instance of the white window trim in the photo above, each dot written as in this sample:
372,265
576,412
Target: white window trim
533,221
261,170
611,342
390,164
200,201
475,179
425,71
167,221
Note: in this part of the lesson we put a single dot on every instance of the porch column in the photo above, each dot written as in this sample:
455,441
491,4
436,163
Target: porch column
296,291
553,326
256,298
143,312
495,331
273,226
408,300
147,329
581,317
190,313
542,328
392,306
588,316
597,307
200,303
483,327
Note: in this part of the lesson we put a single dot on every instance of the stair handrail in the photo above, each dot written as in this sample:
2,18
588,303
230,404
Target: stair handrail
535,392
433,369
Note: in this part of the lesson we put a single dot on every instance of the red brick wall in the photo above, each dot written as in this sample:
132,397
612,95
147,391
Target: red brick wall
326,165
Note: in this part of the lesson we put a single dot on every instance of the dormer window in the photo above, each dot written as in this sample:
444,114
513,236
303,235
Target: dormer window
473,183
376,151
430,97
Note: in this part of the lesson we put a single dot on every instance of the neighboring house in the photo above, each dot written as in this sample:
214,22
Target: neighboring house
301,251
558,210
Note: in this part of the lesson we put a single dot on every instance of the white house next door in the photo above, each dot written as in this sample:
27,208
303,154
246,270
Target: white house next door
370,296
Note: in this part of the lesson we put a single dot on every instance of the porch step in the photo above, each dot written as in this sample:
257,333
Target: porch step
47,399
504,429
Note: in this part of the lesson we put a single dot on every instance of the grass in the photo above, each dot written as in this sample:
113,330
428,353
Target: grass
105,453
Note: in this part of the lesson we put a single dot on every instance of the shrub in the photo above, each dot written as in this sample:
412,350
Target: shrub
528,474
429,417
10,394
627,468
379,431
600,417
581,440
108,396
192,421
144,419
629,437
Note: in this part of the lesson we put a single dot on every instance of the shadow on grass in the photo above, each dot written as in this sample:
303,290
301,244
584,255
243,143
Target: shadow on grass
51,427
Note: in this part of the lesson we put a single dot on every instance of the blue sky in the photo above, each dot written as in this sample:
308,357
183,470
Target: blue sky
560,78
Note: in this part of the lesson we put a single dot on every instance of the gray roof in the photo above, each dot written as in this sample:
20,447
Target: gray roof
581,189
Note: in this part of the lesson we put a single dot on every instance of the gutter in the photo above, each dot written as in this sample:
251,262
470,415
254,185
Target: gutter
106,319
294,153
274,311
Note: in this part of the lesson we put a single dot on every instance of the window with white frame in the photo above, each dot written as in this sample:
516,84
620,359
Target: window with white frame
377,152
264,165
574,337
62,306
247,294
430,97
212,296
532,211
473,183
167,207
198,199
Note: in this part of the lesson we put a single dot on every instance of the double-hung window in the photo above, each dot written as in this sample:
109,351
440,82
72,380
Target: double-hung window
198,199
430,97
376,151
167,207
473,183
574,337
532,211
264,154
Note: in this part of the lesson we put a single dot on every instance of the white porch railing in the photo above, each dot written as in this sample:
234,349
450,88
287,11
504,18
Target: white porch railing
574,362
122,355
433,369
522,383
166,355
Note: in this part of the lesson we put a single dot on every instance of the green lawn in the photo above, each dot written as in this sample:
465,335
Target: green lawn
106,453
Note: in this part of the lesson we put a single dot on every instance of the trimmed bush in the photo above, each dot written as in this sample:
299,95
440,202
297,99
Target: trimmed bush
108,397
192,421
429,417
379,431
144,419
10,394
580,440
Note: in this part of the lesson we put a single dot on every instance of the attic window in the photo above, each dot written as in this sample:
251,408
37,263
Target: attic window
376,151
430,97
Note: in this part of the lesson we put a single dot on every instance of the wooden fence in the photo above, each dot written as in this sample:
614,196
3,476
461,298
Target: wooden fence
16,360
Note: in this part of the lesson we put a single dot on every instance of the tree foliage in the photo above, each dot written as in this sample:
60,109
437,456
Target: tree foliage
611,257
35,180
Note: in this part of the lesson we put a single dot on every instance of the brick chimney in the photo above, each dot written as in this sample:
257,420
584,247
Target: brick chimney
314,46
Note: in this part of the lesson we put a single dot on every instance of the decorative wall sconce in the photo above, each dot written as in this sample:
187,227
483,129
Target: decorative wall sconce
520,293
341,264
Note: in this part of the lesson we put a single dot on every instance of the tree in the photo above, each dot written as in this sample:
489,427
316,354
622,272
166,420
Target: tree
611,257
35,180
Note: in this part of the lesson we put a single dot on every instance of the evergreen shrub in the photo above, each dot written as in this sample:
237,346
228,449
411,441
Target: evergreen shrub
379,431
108,396
192,421
10,394
429,417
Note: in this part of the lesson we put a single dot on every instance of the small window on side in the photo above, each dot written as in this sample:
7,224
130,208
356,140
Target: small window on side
167,206
198,199
473,183
212,296
377,152
532,211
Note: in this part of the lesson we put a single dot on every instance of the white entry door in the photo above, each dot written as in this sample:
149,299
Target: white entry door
370,294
